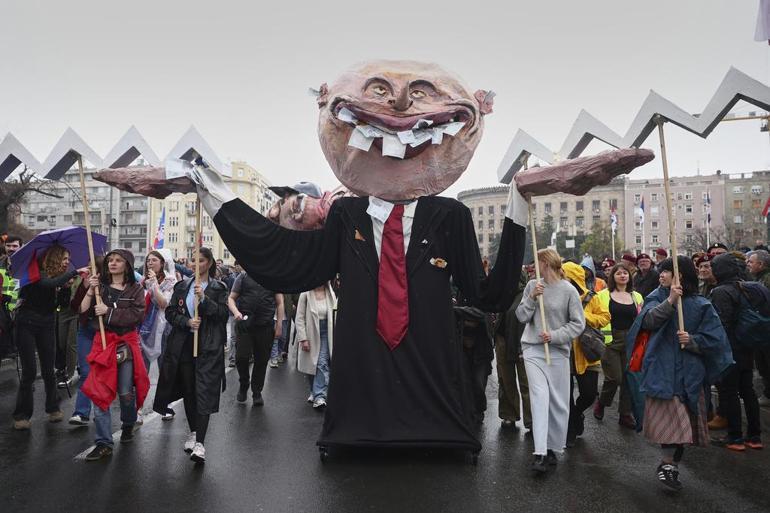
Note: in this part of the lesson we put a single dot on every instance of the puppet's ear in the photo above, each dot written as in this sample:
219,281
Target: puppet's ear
486,99
323,95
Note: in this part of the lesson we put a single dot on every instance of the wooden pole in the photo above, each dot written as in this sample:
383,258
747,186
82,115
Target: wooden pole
671,233
533,233
84,198
197,268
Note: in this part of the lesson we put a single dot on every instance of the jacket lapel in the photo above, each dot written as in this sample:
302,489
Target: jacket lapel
427,217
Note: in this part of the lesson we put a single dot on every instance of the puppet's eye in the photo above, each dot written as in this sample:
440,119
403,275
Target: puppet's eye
379,90
417,94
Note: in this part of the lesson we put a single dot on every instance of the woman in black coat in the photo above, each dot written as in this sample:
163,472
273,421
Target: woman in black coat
198,380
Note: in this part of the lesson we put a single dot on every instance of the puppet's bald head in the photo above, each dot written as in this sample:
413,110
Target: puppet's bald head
419,123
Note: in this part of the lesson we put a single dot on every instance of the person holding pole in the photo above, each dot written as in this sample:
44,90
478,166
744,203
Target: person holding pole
196,374
35,329
549,378
116,366
676,365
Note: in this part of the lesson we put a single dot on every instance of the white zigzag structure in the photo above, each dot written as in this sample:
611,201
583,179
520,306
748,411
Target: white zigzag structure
128,148
735,86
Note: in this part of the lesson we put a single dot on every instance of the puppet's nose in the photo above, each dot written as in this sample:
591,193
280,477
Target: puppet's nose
402,102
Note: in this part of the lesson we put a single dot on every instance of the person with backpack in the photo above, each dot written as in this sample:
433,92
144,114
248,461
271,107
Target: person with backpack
729,300
584,366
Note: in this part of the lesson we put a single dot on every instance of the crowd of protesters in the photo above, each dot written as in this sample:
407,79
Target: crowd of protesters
620,319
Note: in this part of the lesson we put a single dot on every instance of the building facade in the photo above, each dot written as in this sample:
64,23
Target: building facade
487,206
745,197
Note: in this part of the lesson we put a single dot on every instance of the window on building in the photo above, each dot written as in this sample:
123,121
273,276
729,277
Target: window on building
655,238
738,219
563,223
654,225
737,189
688,238
502,209
481,238
240,172
491,210
756,189
67,219
547,207
594,219
737,204
637,198
596,206
172,237
613,203
688,209
30,219
755,203
638,240
481,224
637,225
225,253
679,196
579,223
491,224
688,224
563,207
173,221
579,206
654,196
687,195
173,205
481,211
654,210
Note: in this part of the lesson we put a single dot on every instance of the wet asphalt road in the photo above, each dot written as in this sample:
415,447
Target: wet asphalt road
265,459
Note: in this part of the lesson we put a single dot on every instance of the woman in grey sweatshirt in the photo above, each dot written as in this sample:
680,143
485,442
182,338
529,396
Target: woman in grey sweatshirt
549,384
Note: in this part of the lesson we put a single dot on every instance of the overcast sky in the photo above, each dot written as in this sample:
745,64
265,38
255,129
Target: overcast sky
239,71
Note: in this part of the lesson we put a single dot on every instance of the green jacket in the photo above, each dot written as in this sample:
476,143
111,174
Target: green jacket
604,300
764,278
10,289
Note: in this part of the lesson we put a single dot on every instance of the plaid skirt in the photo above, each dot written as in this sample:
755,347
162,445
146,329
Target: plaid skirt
669,421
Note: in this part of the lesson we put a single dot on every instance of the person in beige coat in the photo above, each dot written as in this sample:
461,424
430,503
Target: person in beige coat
315,328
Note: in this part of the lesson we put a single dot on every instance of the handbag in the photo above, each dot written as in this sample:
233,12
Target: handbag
637,355
592,344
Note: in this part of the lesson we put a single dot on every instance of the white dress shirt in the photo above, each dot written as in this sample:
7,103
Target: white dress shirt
379,210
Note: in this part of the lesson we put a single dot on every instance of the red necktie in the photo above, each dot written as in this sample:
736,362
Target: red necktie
393,298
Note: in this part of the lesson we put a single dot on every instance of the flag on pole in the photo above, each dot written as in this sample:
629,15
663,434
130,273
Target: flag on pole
613,220
640,211
160,235
708,207
762,32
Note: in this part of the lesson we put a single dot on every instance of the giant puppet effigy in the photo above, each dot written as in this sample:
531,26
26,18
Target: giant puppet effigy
396,134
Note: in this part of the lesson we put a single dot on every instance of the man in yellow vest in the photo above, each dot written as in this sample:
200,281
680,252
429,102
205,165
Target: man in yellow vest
10,285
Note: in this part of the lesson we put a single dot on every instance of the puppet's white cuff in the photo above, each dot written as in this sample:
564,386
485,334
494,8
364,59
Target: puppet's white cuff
518,209
212,190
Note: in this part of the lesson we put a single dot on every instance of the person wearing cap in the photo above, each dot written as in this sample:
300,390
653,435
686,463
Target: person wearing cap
716,249
630,261
660,256
646,280
706,279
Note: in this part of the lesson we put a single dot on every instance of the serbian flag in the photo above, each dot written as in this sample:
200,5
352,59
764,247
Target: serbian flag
640,211
160,235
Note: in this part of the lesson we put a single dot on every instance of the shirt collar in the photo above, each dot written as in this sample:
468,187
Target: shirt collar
380,209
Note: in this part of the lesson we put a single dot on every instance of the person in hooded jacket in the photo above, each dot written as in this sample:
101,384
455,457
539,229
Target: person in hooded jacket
198,380
676,366
584,372
737,381
118,366
593,282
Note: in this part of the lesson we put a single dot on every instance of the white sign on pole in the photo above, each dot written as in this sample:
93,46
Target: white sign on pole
569,243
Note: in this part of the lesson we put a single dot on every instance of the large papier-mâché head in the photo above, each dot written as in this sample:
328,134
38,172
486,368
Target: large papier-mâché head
399,130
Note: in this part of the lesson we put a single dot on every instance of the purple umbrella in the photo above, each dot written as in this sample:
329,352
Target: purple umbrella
73,239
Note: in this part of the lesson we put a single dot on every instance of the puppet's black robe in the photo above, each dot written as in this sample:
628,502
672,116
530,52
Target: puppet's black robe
416,395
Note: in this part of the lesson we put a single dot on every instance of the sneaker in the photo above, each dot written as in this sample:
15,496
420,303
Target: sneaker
598,411
139,418
189,444
734,444
273,363
257,400
99,452
56,416
78,420
717,423
319,404
22,424
169,415
127,434
539,464
198,453
668,474
241,395
754,442
281,359
627,421
550,458
310,398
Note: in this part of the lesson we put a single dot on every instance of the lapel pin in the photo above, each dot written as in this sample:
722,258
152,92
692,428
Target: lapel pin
424,241
438,262
358,236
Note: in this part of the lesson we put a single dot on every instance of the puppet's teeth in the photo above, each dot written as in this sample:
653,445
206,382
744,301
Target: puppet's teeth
392,147
360,141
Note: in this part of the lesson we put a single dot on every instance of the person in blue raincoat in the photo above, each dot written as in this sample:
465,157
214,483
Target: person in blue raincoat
677,366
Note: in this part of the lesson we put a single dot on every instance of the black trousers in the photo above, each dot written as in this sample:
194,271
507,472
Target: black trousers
588,388
738,381
35,331
186,380
762,357
257,341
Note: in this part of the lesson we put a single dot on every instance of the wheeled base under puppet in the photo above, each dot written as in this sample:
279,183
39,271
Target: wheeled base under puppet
323,453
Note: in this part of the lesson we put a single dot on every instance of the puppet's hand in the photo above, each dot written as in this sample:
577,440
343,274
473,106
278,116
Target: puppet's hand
212,189
518,209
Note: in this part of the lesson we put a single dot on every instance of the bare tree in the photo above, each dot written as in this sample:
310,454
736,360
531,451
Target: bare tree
13,193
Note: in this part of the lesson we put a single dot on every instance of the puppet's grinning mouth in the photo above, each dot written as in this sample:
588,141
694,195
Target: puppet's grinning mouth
401,144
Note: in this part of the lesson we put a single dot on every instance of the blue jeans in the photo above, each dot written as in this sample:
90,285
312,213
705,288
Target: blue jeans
127,398
320,382
275,352
85,340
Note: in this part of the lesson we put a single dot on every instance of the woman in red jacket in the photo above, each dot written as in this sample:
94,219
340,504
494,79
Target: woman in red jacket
122,310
